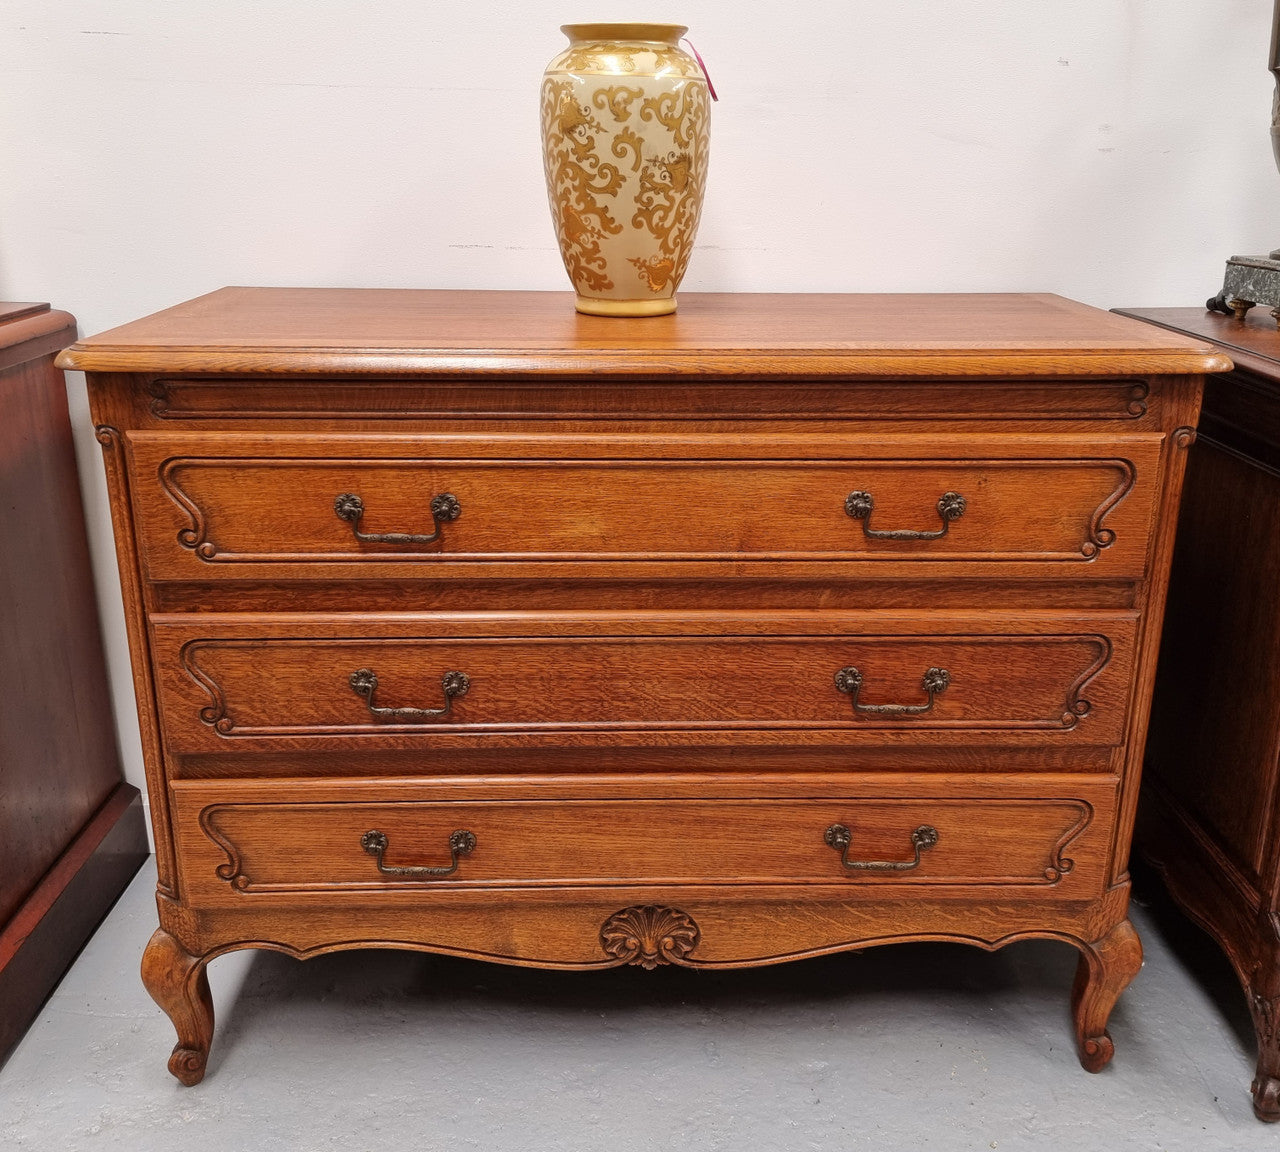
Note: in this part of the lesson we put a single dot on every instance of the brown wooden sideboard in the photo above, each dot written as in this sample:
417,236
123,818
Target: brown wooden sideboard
780,626
71,831
1210,816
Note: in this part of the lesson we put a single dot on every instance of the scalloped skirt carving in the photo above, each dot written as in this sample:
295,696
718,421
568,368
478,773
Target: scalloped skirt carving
649,936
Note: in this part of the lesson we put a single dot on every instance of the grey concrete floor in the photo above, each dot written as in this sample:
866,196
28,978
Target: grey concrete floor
923,1046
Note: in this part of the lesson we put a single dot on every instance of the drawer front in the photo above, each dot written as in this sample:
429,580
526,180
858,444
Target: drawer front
229,398
243,841
847,678
211,507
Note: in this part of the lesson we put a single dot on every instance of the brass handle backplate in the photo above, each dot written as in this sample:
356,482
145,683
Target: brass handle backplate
364,683
350,507
951,506
840,838
461,843
934,681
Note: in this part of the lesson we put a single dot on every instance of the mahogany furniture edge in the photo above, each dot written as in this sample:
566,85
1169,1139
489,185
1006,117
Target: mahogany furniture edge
32,331
71,833
44,936
1210,815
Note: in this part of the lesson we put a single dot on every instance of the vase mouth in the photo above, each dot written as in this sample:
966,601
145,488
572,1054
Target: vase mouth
654,33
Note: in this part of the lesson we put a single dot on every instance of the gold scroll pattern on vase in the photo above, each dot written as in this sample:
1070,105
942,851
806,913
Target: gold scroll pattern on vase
626,160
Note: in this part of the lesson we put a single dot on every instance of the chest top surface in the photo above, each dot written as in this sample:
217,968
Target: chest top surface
309,330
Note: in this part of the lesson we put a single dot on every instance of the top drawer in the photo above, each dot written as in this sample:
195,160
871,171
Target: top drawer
216,506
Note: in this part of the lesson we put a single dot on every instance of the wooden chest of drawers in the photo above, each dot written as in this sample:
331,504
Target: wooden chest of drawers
783,625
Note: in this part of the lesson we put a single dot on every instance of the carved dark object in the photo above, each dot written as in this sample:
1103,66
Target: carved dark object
1252,280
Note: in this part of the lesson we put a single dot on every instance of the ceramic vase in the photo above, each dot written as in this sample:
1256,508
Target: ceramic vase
626,120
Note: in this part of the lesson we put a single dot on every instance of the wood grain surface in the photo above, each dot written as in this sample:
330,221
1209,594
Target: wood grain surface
282,683
210,506
59,765
306,330
296,843
651,582
1211,805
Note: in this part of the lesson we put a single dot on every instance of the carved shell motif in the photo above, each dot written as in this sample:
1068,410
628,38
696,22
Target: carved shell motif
649,936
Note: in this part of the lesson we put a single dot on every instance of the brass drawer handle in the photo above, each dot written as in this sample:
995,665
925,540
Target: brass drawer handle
350,508
364,683
840,838
951,506
934,681
461,843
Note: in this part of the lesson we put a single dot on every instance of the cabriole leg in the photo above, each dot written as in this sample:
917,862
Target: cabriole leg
1266,1080
176,981
1105,969
1263,989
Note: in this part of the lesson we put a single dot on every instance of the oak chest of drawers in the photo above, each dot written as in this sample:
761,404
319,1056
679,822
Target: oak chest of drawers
780,626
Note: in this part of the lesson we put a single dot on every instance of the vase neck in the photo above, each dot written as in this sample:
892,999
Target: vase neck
654,33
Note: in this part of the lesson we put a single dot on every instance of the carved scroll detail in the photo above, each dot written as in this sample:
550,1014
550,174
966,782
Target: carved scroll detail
159,393
1076,706
1138,394
1100,537
1266,1017
1059,865
1184,437
649,936
193,536
232,870
214,714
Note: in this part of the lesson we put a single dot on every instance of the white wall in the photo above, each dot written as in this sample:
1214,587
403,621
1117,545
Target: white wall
150,150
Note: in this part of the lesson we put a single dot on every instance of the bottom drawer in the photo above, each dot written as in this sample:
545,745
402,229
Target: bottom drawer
236,839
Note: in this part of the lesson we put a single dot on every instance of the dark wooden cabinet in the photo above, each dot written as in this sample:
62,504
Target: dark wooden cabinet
71,832
783,625
1210,813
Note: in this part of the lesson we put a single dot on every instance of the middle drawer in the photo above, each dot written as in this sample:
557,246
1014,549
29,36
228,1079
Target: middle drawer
252,683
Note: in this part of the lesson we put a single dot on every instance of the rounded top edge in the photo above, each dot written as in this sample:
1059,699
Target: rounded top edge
660,33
